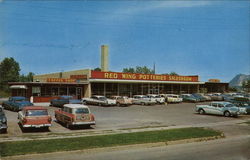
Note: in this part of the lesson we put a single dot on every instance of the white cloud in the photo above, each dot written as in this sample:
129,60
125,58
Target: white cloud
144,6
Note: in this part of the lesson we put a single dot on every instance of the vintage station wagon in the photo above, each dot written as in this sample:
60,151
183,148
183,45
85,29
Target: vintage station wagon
34,117
75,115
219,108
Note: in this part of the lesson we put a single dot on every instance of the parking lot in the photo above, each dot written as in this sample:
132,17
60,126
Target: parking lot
135,116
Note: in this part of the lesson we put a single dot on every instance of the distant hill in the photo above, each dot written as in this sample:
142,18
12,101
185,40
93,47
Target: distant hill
238,79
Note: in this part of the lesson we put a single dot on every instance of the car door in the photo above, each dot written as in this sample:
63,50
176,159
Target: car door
219,109
211,108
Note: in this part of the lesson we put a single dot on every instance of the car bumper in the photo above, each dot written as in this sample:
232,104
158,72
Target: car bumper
36,125
3,126
83,123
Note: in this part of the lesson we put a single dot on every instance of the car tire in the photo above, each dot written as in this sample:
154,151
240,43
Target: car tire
68,125
84,102
118,104
99,104
143,104
201,111
3,130
227,114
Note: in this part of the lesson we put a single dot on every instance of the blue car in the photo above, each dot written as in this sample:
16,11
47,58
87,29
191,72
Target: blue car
62,100
16,103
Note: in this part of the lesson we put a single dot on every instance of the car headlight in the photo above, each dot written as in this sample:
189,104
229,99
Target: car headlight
4,120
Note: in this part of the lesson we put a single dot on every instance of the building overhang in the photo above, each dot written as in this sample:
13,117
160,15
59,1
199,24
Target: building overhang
141,81
18,87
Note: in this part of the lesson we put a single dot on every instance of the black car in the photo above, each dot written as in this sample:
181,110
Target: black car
3,121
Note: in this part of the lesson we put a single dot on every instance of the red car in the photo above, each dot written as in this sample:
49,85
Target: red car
34,117
75,115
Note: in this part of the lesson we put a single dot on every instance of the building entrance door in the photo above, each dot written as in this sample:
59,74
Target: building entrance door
79,92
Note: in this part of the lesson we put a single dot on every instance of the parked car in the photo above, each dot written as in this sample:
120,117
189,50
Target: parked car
227,97
34,117
99,100
59,102
200,97
216,97
208,98
122,100
172,98
189,98
16,103
3,121
219,108
75,115
241,104
143,100
157,98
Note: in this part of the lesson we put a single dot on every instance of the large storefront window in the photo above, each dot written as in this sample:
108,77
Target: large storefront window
36,91
97,88
63,91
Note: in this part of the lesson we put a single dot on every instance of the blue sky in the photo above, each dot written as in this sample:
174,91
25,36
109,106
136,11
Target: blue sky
206,38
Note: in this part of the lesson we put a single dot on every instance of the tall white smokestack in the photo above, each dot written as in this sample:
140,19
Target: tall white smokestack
105,58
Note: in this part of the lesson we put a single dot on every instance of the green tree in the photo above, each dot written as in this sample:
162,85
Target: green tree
128,70
9,72
97,69
246,85
138,69
26,78
173,74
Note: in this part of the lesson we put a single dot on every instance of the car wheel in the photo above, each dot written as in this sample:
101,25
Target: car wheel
84,102
68,125
118,104
4,130
99,104
201,111
143,104
227,114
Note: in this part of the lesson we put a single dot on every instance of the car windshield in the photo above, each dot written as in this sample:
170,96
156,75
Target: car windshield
20,99
102,98
36,113
82,110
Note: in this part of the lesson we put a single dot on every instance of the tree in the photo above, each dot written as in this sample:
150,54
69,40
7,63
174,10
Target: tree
138,69
246,85
173,74
128,70
97,69
26,78
9,72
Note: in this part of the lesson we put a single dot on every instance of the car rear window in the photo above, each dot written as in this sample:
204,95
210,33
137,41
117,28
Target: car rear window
82,111
36,113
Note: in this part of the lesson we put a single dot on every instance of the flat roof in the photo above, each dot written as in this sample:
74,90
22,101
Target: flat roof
141,81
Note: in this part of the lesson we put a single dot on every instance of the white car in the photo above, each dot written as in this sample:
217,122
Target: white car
220,108
99,100
172,98
157,98
143,100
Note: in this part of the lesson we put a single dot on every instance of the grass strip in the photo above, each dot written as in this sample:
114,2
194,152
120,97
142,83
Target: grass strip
79,143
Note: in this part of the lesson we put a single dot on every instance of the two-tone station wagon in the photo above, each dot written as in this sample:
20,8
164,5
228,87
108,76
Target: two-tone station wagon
34,117
75,115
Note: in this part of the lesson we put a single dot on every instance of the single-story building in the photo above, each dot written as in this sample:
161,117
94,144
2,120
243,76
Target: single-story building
86,82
